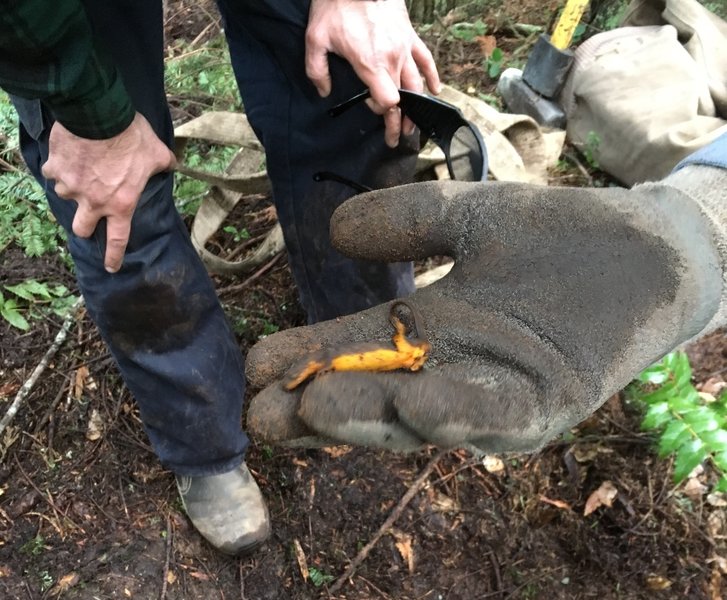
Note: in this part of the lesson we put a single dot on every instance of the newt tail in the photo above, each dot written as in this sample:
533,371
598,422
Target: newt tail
409,353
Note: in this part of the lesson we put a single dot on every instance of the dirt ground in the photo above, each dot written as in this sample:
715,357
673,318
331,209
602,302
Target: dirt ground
95,516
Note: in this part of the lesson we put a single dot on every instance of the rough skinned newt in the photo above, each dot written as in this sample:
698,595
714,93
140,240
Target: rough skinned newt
408,353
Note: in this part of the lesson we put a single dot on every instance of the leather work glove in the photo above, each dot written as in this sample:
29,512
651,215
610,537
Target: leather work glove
557,299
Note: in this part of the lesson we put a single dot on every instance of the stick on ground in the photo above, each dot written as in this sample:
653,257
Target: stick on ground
42,365
390,520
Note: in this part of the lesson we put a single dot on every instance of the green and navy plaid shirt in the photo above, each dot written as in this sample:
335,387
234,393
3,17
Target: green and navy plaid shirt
47,52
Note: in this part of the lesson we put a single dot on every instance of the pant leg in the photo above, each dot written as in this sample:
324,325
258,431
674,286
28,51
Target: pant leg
267,46
159,314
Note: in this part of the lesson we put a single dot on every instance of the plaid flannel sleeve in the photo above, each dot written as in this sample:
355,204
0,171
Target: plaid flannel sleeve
47,52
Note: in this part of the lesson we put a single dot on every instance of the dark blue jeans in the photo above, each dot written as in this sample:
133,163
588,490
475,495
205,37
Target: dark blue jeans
159,314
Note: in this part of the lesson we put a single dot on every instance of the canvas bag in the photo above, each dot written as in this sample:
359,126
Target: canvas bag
642,97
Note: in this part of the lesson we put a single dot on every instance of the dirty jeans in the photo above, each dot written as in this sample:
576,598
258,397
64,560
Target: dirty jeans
159,314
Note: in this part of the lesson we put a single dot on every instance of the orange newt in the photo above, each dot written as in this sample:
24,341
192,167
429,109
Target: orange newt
406,353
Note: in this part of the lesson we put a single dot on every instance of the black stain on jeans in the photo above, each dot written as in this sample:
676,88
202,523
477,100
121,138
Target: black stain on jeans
151,318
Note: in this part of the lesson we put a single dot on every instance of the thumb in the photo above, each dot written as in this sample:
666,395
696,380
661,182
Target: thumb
403,223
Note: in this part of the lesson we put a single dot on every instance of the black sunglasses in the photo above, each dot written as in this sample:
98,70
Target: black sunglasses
443,123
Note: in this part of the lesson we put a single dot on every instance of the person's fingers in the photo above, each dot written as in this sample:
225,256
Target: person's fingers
268,360
425,61
117,237
357,408
409,222
392,125
84,222
316,64
272,417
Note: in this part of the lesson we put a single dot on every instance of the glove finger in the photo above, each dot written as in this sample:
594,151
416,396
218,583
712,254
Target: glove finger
404,223
272,417
497,411
357,408
270,357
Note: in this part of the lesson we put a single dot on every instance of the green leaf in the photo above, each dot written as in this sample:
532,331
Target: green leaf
701,419
30,290
656,416
685,401
716,440
9,312
720,459
674,436
688,457
721,484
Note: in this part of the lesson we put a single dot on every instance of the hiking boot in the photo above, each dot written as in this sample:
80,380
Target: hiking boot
228,510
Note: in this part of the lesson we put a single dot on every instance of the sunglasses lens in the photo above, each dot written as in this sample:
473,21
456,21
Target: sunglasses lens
465,156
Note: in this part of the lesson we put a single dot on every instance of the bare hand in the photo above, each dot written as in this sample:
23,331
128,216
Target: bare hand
377,39
106,178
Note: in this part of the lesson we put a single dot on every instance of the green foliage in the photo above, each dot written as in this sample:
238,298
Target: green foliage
318,577
590,149
202,76
494,63
466,31
25,219
34,546
32,299
691,428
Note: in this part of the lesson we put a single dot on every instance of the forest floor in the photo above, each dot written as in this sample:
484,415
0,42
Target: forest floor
89,513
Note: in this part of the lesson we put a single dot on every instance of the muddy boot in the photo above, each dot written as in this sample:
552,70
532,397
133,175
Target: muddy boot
227,509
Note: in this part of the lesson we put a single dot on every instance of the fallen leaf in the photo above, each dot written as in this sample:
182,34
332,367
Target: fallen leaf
337,451
713,385
127,593
404,546
487,44
557,503
716,523
694,489
95,426
603,496
200,576
720,562
9,388
79,383
65,583
443,503
302,561
657,582
707,397
300,463
717,499
493,464
171,577
715,585
5,571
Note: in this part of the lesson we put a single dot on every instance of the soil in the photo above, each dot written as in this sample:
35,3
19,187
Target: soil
86,517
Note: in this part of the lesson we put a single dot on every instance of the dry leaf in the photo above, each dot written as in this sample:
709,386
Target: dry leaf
707,397
720,561
443,503
713,386
657,582
9,388
95,426
337,451
493,464
487,44
171,577
300,557
80,382
694,489
127,593
603,496
557,503
716,523
717,499
300,463
404,546
65,583
715,585
200,576
5,571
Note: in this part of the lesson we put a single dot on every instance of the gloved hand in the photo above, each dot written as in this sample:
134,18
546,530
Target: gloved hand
557,299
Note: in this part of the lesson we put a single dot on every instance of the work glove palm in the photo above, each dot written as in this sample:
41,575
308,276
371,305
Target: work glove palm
557,298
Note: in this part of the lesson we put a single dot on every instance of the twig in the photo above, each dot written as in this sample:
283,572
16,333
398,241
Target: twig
390,520
237,287
165,574
42,365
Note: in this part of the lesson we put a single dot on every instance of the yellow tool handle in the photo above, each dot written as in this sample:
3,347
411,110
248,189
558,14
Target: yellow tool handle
569,19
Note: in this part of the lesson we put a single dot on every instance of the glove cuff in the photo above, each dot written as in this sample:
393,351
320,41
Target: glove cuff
707,187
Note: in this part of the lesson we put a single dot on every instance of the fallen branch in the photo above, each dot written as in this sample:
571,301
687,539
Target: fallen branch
390,520
42,365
